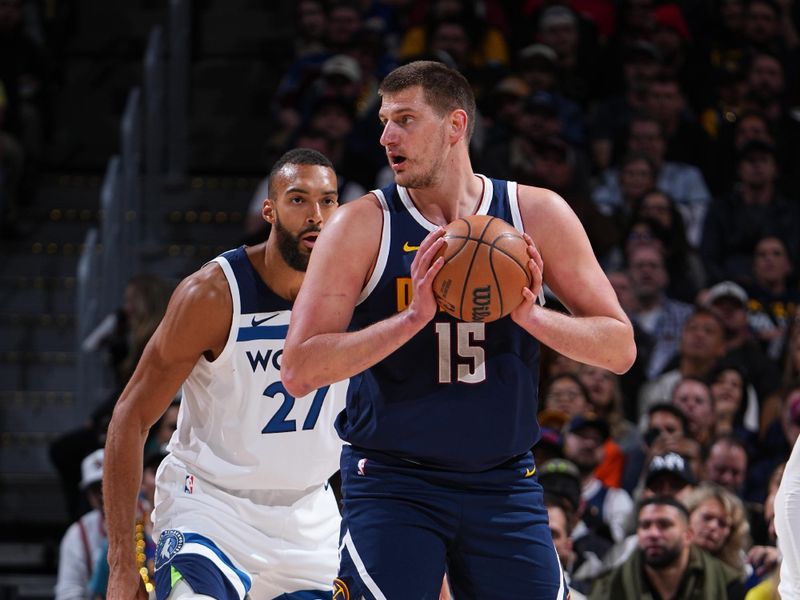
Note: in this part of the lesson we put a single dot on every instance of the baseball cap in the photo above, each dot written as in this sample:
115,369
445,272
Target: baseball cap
538,51
513,86
553,16
92,469
585,420
726,289
669,463
341,64
561,477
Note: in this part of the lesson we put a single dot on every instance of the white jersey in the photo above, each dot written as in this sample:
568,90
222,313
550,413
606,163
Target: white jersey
243,491
238,427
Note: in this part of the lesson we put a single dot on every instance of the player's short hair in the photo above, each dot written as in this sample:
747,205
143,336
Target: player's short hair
445,89
297,156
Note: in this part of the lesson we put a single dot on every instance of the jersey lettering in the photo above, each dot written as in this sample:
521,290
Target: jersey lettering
263,361
403,287
470,355
279,423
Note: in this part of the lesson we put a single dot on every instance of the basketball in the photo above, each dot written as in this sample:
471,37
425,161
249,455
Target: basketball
485,268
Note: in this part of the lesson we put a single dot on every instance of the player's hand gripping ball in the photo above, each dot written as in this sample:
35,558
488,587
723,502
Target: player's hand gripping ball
485,268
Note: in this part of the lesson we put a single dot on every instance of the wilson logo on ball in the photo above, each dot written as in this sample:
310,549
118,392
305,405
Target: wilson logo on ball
485,269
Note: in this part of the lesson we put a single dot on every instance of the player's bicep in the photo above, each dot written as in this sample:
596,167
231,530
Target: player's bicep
340,263
571,269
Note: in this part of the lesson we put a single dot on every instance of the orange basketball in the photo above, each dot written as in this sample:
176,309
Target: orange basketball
485,268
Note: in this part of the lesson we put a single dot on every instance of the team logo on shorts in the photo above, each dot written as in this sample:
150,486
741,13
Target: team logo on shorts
340,590
188,484
362,465
169,544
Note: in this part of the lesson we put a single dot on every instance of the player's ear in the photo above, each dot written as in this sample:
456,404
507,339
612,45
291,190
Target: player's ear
458,124
268,211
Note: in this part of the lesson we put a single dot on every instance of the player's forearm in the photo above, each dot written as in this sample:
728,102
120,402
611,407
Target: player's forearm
600,341
121,482
326,358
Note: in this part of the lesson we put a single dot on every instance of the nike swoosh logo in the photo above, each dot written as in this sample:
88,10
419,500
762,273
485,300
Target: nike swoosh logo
256,322
530,472
409,248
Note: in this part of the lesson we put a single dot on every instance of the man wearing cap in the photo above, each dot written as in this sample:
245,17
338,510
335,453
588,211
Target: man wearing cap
665,564
561,481
730,301
85,538
583,445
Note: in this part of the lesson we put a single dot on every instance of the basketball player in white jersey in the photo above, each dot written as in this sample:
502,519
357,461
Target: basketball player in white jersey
243,506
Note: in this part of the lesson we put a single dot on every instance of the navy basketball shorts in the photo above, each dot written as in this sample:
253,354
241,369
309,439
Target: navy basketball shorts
404,525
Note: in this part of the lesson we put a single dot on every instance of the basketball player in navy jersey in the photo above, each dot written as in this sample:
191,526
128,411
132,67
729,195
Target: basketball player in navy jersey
441,414
242,502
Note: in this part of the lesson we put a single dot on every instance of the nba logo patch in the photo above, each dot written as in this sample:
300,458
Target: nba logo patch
362,464
169,544
188,484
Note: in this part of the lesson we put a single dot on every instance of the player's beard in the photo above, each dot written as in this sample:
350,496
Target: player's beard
289,246
431,175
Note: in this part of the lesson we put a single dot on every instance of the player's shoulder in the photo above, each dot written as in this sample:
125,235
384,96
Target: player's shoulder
358,213
539,198
205,289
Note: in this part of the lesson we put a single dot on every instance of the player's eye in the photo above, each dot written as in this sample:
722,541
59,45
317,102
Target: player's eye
296,200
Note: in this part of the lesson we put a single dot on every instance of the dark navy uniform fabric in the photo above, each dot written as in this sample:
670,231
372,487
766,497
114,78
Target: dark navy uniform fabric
439,471
254,295
401,406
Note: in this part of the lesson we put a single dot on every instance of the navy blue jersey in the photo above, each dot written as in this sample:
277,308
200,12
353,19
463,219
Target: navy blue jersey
458,395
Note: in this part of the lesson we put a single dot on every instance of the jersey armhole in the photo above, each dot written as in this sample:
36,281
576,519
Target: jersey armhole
383,252
236,304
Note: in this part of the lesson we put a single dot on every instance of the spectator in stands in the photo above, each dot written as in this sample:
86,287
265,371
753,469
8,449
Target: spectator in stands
686,141
538,67
665,563
583,445
773,301
755,208
659,316
83,542
558,28
730,301
684,183
560,480
309,35
726,463
718,523
693,397
560,530
729,390
160,434
610,117
667,474
488,46
702,345
685,268
124,333
566,394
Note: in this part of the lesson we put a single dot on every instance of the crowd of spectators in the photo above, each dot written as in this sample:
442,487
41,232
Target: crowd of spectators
673,130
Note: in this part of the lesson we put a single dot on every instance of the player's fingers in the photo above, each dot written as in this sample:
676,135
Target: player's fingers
427,250
536,276
533,251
